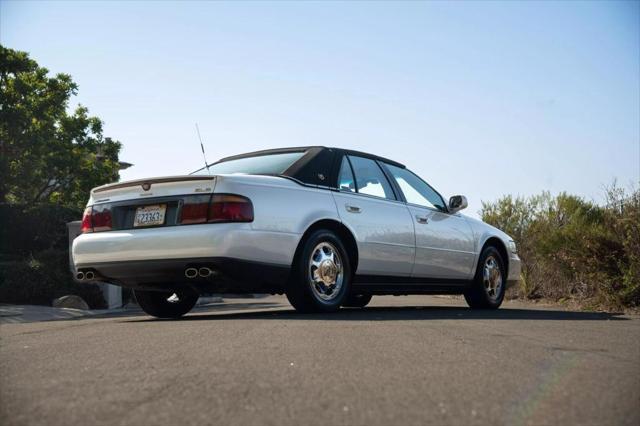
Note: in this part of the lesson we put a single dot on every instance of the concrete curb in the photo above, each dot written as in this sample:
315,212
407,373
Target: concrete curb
15,314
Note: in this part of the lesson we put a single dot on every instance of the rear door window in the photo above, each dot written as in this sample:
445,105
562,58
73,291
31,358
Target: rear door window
370,179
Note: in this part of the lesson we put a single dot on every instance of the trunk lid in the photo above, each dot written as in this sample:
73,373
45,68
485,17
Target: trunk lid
140,190
147,202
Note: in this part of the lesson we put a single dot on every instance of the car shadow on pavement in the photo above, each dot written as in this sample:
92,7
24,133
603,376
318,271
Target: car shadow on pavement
395,313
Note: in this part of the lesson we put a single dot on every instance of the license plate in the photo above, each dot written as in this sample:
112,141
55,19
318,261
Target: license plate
150,215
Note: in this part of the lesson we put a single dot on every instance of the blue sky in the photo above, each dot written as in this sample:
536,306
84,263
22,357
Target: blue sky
482,99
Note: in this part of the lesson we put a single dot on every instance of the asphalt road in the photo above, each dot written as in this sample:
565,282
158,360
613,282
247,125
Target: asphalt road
405,360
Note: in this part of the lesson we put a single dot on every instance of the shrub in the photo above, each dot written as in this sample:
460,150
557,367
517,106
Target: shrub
34,256
574,249
34,228
41,278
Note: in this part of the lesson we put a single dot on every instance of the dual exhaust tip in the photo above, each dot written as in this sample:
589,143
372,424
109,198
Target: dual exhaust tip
85,276
203,272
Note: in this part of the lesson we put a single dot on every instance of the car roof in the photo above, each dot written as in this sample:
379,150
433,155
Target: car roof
308,148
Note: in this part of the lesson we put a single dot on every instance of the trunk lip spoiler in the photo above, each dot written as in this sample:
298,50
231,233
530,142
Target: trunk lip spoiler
140,182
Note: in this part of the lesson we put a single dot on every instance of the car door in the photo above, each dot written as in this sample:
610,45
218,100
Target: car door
381,224
445,246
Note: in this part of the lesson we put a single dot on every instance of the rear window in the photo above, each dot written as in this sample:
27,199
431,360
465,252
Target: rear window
272,164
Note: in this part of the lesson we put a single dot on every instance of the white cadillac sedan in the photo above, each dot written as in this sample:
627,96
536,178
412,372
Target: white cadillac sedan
328,227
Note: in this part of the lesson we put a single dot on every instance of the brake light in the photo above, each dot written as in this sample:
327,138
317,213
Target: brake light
101,219
216,208
195,209
86,225
230,208
96,219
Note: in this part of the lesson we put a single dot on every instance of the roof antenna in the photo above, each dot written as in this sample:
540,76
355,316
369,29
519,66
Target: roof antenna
206,165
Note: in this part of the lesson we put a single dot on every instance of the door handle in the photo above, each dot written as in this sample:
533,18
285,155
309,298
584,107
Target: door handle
352,209
422,219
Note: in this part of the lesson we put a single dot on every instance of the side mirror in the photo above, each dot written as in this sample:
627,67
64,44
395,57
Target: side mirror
457,203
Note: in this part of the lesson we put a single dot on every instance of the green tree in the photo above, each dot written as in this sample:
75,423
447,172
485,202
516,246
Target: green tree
48,154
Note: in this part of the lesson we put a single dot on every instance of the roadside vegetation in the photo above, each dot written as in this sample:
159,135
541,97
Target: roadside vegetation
574,251
50,157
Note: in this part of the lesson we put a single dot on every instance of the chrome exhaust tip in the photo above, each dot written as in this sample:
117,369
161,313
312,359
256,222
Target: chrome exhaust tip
204,272
89,275
80,275
191,272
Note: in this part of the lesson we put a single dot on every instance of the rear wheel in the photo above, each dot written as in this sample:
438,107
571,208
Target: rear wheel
321,276
357,300
489,284
166,304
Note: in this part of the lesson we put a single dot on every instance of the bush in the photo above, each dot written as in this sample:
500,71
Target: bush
573,249
33,229
34,256
43,277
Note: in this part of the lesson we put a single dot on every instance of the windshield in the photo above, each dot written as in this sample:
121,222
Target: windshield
272,164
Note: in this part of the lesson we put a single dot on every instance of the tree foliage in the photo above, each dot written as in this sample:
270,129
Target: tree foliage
574,249
48,154
50,158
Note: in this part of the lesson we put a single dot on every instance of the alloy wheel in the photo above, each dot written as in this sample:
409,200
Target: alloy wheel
492,278
325,272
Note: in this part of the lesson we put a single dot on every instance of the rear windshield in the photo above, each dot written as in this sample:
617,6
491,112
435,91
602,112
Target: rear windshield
272,164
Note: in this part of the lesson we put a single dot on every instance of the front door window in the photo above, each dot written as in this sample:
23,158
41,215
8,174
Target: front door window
415,190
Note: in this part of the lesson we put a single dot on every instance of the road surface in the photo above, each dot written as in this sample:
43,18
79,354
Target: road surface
405,360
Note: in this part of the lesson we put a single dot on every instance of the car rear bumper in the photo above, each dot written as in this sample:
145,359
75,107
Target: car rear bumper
221,240
240,257
226,274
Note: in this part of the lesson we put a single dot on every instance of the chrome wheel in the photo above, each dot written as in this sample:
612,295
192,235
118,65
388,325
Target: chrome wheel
325,272
492,278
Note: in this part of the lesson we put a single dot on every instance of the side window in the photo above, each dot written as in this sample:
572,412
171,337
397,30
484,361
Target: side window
415,190
370,179
345,179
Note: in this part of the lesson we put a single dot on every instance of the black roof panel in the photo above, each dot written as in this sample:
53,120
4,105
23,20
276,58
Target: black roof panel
306,148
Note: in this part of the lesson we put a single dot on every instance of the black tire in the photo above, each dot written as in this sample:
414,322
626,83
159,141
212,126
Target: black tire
478,296
156,303
357,300
299,289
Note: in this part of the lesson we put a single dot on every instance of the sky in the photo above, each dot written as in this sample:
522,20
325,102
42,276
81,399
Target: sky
479,98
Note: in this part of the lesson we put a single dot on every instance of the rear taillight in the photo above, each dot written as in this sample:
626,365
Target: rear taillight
96,219
101,219
215,209
86,226
230,208
195,209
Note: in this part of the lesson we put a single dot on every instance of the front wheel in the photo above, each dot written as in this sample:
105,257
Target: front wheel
489,284
321,276
166,304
